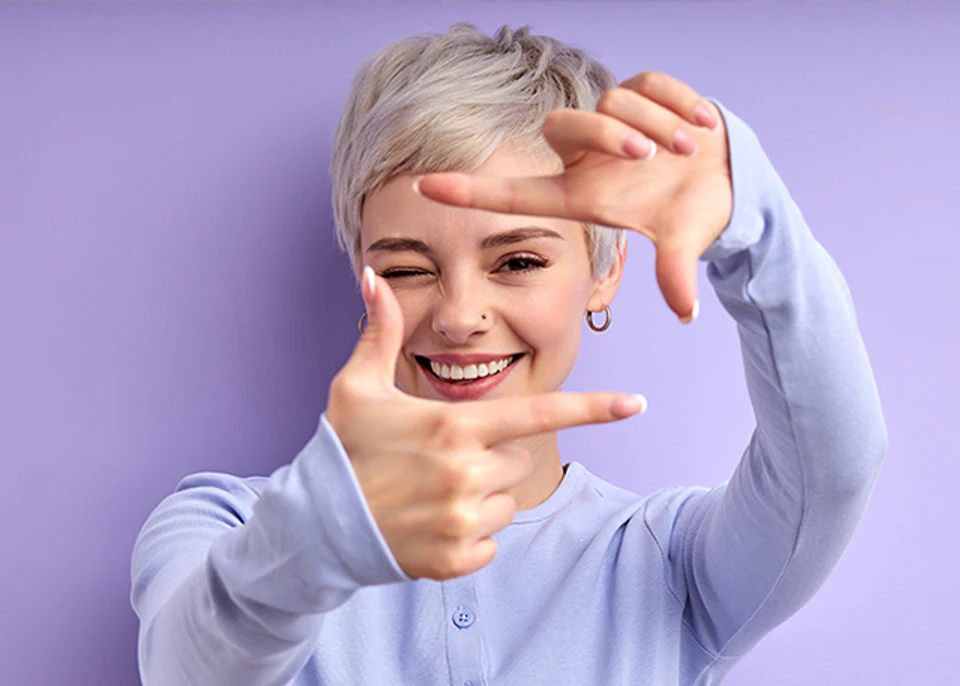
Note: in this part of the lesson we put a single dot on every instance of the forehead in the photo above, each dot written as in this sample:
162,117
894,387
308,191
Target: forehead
397,210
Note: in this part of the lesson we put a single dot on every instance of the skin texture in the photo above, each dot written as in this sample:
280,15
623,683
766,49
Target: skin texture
440,477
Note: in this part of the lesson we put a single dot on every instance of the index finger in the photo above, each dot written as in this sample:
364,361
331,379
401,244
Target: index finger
541,196
506,419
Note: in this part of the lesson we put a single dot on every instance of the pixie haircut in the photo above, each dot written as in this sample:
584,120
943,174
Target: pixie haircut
446,102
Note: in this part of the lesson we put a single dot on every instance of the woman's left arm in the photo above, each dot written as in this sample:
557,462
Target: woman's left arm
746,555
754,550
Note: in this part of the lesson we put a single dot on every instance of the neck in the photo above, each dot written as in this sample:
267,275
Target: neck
547,471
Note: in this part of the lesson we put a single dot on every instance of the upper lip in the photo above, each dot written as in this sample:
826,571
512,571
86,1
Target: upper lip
461,360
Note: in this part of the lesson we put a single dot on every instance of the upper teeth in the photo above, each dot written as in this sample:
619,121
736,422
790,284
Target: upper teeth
470,371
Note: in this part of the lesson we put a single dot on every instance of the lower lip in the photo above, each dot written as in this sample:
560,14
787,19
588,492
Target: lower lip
467,391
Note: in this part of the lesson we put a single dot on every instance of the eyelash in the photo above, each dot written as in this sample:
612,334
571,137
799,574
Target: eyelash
533,262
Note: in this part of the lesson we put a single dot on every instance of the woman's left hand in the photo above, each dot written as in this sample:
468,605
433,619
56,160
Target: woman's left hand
679,199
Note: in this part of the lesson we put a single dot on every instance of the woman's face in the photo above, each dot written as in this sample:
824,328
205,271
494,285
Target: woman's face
449,266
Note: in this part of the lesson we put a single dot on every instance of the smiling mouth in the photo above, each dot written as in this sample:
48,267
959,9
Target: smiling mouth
466,374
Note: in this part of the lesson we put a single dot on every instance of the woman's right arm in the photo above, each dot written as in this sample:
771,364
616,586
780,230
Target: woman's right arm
231,587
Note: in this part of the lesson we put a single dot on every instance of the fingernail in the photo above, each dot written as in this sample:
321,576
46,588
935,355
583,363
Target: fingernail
416,186
693,315
639,147
683,144
703,116
371,281
628,405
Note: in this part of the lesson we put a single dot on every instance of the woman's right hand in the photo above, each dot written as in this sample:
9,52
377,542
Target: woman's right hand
434,474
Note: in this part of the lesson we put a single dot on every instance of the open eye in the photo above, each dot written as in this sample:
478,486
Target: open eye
523,263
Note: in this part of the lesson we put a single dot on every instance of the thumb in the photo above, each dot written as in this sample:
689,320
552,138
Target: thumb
677,277
377,350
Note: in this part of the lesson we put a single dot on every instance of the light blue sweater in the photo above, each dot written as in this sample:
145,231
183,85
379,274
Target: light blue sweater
287,579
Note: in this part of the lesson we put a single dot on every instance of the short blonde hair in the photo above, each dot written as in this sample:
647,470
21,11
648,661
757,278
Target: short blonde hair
446,102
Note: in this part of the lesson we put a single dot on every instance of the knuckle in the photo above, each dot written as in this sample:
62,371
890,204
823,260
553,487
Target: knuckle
449,427
454,479
460,522
509,505
612,100
542,413
648,81
609,134
450,562
448,478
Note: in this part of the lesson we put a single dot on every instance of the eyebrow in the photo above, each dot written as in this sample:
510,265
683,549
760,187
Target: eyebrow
524,233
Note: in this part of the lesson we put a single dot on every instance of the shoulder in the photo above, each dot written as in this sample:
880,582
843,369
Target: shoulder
211,497
202,507
201,483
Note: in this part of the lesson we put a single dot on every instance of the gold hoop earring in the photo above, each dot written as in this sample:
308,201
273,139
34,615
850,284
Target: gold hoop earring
363,318
606,322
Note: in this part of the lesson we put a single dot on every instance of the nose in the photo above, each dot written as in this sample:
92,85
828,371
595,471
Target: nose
460,314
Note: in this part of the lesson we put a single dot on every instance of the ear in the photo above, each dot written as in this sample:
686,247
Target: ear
606,287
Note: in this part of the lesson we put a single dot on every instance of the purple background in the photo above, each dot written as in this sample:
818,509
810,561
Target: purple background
171,298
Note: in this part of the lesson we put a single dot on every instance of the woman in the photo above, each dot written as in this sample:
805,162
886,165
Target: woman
429,532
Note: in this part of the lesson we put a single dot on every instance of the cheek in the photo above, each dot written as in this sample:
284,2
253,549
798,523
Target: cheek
551,323
549,315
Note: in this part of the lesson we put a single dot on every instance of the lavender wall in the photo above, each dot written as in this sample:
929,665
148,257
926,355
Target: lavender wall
171,299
